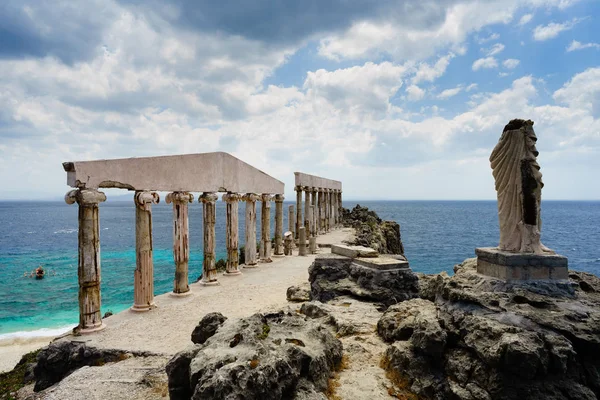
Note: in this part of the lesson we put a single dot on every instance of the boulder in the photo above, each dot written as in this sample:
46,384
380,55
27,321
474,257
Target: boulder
382,236
299,293
331,276
476,337
207,327
265,356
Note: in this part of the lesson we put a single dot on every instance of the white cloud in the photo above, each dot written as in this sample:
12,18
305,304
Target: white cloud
487,62
446,94
553,29
472,86
511,63
525,19
582,92
495,49
575,45
493,36
429,73
415,93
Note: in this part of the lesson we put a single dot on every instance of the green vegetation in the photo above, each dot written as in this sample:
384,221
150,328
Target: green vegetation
221,265
12,381
265,332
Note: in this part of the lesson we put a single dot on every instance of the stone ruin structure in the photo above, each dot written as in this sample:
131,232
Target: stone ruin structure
322,209
520,254
208,173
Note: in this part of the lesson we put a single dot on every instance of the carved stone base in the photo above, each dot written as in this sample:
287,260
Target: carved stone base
521,266
92,329
236,273
184,294
250,265
209,283
143,308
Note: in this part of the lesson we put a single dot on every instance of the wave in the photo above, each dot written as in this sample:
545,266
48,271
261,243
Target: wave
66,231
21,337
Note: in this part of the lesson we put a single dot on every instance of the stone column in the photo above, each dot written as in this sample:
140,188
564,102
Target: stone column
209,217
298,209
143,276
265,228
306,208
279,224
313,203
312,240
250,245
181,244
231,233
327,209
340,206
334,207
302,241
320,212
88,266
291,219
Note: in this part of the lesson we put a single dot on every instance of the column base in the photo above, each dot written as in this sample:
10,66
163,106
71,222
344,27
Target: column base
235,273
250,265
209,283
266,260
184,294
142,308
512,266
85,331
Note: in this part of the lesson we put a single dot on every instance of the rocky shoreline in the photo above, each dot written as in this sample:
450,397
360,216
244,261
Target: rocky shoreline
366,326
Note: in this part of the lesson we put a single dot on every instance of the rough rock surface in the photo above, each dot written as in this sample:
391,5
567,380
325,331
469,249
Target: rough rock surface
207,327
60,359
482,338
331,276
371,231
272,356
299,293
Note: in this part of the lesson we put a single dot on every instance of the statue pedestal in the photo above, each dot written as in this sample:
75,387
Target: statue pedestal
511,266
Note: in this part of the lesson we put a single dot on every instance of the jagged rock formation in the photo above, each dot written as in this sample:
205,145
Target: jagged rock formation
331,276
207,327
60,359
299,293
371,231
272,356
475,337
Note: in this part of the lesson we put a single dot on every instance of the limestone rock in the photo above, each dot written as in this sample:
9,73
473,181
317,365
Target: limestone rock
207,327
353,251
265,356
484,338
59,359
299,293
372,232
332,276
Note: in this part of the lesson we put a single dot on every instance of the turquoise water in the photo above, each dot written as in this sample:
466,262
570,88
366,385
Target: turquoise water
436,236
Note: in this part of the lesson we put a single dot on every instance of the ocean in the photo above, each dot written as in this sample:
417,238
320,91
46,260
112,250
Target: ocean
436,236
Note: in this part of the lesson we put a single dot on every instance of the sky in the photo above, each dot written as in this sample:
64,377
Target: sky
399,99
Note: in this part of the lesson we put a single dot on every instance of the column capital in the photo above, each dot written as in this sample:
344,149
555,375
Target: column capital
251,197
84,196
231,197
279,198
266,197
143,199
179,197
307,188
299,188
208,197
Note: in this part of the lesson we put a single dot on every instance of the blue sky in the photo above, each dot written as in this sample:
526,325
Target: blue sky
397,99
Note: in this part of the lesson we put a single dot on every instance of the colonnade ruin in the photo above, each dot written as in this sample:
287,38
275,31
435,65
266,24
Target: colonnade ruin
180,176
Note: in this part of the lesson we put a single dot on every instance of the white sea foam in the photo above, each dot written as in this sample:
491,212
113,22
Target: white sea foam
66,231
8,339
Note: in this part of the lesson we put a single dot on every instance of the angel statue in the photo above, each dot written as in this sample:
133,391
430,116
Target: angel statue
519,186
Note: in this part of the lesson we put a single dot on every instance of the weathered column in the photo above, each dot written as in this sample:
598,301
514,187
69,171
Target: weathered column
306,208
209,217
231,233
279,224
334,208
298,209
143,276
250,245
340,207
302,241
321,216
181,244
313,202
327,209
291,219
312,240
88,266
265,228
